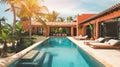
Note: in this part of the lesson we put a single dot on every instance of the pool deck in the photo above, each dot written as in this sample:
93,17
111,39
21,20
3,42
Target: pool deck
109,57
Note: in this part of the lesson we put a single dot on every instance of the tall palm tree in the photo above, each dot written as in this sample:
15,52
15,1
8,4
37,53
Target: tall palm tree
12,4
27,12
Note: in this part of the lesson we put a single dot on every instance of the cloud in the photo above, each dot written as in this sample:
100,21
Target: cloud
61,6
70,7
73,7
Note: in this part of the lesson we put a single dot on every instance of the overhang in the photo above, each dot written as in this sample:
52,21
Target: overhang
54,24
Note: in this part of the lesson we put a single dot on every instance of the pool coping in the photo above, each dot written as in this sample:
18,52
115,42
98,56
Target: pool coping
83,46
7,61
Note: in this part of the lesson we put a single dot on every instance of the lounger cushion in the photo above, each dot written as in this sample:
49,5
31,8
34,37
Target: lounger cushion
80,36
100,39
98,44
85,36
113,42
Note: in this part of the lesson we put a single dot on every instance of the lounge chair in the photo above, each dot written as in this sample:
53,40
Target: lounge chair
111,44
81,37
99,40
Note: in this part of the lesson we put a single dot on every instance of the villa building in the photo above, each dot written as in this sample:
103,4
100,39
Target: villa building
104,24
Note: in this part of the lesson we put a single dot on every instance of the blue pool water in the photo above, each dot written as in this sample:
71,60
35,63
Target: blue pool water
64,53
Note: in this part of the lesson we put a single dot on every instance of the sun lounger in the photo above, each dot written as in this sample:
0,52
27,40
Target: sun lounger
81,37
99,40
111,44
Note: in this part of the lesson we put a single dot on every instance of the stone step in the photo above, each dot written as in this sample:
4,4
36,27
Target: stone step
29,56
37,61
46,60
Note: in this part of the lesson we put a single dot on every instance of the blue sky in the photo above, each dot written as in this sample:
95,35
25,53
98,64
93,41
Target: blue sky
68,7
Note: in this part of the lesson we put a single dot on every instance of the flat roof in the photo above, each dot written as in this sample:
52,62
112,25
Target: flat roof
56,23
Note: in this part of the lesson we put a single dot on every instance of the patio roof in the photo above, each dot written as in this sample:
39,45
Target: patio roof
65,24
107,11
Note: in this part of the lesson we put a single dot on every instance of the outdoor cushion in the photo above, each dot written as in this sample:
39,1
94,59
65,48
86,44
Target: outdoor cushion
98,44
100,39
80,36
113,42
85,36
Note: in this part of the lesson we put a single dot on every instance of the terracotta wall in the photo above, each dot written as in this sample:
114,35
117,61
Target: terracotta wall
81,31
96,21
25,25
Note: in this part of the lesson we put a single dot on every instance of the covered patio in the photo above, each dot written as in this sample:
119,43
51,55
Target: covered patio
53,28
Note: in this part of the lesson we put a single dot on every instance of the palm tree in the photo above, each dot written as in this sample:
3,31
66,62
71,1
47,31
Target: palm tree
12,4
60,19
52,17
27,12
69,19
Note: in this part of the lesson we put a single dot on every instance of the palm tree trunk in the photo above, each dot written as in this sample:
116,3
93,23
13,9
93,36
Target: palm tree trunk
30,28
14,19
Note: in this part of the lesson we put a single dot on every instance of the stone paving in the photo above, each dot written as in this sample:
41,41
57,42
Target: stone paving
109,57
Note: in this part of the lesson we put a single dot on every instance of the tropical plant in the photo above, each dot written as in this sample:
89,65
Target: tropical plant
52,17
20,34
69,19
60,19
2,20
60,30
12,4
5,37
91,30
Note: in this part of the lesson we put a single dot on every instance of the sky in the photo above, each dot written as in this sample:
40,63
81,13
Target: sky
68,7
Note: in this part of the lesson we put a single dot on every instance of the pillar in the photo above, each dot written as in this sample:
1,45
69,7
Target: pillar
48,31
97,30
72,32
35,30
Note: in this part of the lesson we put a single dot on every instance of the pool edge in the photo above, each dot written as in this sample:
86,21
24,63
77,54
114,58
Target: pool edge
92,54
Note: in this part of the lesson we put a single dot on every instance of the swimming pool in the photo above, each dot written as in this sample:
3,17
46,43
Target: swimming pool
61,52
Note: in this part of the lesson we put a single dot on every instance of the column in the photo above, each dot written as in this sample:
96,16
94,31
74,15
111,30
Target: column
35,30
48,31
72,31
97,30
